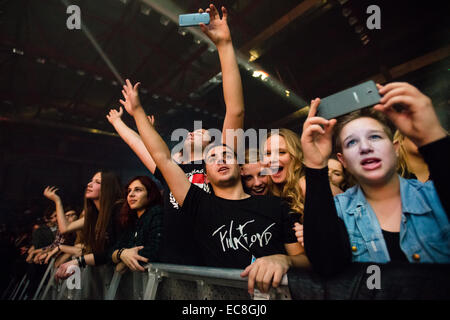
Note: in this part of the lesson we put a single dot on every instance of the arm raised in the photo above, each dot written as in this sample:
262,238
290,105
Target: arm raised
173,174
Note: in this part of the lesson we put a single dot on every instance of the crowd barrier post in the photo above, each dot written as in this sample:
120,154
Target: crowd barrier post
47,271
111,292
16,290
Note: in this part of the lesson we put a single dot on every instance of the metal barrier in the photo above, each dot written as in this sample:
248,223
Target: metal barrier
161,282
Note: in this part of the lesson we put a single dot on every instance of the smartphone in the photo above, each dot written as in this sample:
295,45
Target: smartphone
351,99
193,19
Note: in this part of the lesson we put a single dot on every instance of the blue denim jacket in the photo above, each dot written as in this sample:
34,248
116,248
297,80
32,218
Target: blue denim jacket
424,229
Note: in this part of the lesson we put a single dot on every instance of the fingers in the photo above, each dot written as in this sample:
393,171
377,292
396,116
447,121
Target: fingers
200,10
252,278
224,13
214,13
265,280
313,107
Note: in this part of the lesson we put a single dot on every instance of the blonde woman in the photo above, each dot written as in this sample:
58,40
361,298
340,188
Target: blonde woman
283,155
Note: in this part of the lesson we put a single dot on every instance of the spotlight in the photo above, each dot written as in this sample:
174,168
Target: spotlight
359,29
145,9
17,51
164,21
346,12
352,21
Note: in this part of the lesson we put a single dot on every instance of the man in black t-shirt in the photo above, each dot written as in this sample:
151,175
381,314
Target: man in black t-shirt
178,245
233,229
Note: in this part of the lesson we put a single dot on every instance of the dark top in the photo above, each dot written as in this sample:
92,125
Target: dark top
146,231
392,240
113,233
178,245
42,237
321,222
230,233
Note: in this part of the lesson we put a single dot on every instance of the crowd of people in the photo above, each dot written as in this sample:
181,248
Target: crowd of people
346,190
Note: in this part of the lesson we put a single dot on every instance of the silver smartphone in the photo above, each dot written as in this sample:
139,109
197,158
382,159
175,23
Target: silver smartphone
351,99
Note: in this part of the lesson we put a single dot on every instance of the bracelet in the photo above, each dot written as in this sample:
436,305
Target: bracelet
78,261
83,262
119,254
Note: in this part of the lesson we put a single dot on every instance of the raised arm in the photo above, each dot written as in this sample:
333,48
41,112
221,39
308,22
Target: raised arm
418,121
64,226
325,236
131,138
219,33
173,174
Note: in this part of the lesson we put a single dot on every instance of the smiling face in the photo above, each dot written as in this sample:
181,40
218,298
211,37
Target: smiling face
367,152
253,180
221,166
137,196
280,161
94,186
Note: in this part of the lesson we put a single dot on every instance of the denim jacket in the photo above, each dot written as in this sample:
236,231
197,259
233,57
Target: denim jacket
424,229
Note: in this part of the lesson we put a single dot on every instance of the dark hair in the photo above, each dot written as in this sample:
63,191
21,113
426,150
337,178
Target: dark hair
214,145
363,113
96,221
128,216
49,211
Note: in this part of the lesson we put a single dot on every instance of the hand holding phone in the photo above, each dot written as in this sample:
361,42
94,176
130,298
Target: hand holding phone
349,100
193,19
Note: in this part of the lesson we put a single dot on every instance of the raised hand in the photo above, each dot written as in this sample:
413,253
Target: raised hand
317,138
416,117
50,193
131,95
217,30
114,115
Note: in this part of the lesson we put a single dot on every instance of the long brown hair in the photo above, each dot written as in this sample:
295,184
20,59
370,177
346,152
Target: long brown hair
291,190
96,221
127,215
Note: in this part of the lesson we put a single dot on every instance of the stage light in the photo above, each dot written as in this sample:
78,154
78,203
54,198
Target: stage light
145,9
164,21
352,21
259,73
346,12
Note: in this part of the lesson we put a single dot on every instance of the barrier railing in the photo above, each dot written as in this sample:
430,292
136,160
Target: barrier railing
180,282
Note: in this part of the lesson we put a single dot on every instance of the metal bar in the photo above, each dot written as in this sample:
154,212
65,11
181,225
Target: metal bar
47,271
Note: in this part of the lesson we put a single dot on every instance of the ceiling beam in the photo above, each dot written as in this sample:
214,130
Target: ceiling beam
280,24
395,72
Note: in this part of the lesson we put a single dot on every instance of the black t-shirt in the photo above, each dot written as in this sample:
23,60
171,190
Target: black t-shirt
392,240
231,232
178,244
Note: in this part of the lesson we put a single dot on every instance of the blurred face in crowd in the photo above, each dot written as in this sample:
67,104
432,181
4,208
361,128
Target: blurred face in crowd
137,195
52,220
254,181
367,151
279,161
335,172
93,187
221,167
71,215
199,137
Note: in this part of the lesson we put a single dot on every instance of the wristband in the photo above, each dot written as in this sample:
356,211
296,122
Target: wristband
78,261
83,262
119,254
